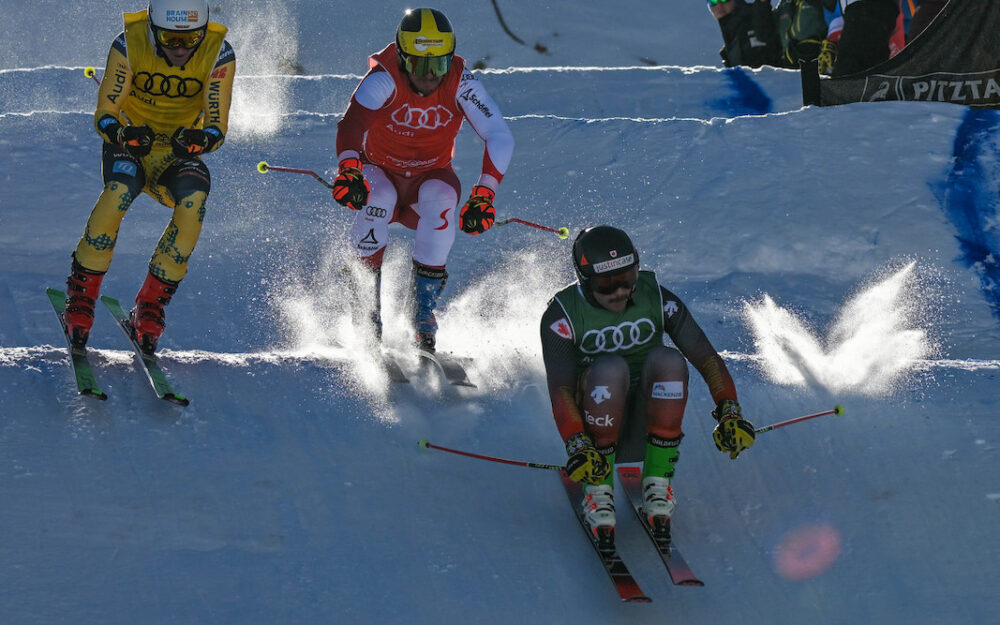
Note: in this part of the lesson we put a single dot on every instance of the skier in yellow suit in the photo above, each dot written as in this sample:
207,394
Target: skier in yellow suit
163,102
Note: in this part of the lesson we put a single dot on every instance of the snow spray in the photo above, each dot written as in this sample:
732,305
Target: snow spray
265,36
874,343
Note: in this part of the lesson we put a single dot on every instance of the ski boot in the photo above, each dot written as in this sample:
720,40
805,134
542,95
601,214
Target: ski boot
428,283
658,505
82,288
148,318
599,512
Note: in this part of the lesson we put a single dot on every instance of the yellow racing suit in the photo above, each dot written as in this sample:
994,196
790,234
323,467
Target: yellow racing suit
140,87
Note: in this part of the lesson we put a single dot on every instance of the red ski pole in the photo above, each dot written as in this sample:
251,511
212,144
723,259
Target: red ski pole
562,233
837,410
263,168
425,444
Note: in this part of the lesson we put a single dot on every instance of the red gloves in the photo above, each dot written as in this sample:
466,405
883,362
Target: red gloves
350,188
478,214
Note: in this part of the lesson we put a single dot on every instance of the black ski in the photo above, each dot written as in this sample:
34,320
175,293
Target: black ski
86,383
158,379
680,573
450,368
628,589
392,368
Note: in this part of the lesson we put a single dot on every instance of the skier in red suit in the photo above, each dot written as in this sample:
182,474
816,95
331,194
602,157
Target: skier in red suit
395,145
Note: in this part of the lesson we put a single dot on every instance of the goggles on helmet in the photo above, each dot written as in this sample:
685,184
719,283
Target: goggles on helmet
188,39
715,2
608,285
423,65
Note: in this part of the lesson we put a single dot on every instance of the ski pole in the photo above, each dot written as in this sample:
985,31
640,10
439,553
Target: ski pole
91,73
562,233
837,410
425,444
263,168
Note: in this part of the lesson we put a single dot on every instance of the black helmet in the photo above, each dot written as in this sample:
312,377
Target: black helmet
603,250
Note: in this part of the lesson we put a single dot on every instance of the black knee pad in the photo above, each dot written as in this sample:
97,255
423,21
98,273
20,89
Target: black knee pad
119,166
185,176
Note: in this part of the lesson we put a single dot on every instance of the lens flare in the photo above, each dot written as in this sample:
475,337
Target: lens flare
807,552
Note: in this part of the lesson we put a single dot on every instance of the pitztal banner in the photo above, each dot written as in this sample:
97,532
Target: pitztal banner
956,59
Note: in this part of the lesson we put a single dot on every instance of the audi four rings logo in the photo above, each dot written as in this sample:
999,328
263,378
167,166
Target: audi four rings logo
615,338
429,119
169,86
375,211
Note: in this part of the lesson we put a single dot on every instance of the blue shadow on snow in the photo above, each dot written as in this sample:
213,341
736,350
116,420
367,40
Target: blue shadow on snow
747,98
969,198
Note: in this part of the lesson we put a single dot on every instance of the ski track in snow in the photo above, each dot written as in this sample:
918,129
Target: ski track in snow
26,357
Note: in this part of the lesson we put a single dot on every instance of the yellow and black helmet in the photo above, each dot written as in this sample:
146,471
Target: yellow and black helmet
425,42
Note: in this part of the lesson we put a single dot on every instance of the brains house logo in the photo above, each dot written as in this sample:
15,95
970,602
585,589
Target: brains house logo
426,119
181,17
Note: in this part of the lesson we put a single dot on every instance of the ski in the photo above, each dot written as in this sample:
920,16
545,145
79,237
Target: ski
161,385
628,589
86,383
392,368
450,368
680,573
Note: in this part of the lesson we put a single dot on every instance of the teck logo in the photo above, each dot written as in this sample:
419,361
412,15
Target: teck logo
606,421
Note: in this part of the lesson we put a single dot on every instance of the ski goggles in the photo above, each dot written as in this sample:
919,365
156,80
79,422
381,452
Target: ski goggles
608,285
173,39
712,3
423,65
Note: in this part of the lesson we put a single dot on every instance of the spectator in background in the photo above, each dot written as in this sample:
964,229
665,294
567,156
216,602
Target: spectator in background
828,50
868,26
845,36
923,16
754,34
748,34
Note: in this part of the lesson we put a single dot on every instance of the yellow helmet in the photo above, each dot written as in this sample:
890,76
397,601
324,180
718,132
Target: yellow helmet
424,33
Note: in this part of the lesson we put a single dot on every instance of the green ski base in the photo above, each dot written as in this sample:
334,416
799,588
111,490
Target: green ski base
86,383
161,385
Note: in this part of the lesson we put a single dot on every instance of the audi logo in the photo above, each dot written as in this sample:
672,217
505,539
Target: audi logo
623,336
375,211
428,119
169,86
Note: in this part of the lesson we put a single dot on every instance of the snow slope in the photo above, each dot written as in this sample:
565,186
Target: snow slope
833,255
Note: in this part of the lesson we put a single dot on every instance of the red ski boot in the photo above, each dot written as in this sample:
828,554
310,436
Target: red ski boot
148,318
82,287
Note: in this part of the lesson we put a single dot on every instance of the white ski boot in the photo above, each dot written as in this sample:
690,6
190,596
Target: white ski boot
658,505
599,512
